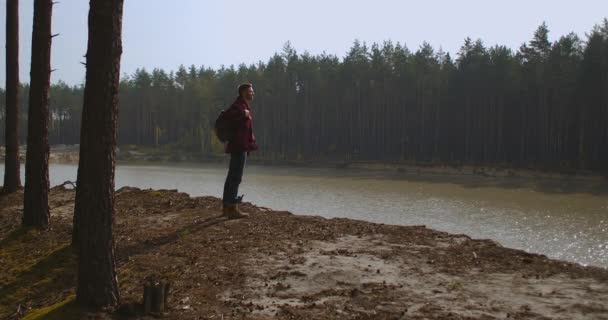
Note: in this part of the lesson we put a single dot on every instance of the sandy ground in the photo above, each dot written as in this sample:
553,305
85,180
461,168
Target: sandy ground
283,266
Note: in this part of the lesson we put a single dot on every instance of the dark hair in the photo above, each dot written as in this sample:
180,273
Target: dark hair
243,87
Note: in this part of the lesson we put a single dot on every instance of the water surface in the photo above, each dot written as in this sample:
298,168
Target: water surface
565,220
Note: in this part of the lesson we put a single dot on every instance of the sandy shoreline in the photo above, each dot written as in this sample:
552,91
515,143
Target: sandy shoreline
133,155
284,266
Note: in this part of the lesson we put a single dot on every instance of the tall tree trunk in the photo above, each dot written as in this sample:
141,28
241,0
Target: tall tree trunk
94,211
36,204
12,175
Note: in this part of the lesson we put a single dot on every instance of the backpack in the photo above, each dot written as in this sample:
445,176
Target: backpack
223,128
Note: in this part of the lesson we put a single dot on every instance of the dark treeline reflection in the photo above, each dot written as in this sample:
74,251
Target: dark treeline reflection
544,105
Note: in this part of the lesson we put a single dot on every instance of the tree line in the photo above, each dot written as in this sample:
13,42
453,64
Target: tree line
544,105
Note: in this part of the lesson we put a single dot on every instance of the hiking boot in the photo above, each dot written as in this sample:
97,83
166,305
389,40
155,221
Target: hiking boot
232,211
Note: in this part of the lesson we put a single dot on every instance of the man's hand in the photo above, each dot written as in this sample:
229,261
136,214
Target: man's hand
247,114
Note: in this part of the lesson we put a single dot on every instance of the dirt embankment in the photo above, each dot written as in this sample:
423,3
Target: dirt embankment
279,265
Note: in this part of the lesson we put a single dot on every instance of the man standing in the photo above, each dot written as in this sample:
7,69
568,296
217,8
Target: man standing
239,146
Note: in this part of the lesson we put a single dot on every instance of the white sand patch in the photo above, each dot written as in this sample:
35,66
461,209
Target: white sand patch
348,273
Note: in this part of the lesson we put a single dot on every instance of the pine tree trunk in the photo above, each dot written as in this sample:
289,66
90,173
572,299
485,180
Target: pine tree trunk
94,211
12,175
36,196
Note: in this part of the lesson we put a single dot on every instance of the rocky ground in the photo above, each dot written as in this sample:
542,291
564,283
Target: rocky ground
284,266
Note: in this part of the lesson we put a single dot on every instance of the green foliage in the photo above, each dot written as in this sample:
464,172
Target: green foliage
32,276
64,310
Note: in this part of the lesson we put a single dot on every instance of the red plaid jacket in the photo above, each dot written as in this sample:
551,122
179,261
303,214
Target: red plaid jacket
244,139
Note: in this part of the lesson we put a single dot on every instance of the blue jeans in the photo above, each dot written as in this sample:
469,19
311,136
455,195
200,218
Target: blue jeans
235,175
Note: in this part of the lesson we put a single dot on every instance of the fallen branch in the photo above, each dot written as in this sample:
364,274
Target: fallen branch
73,184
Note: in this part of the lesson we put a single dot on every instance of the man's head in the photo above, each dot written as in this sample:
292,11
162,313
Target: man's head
246,92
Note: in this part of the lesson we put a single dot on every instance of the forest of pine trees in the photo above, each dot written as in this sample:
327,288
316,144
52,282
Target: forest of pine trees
544,105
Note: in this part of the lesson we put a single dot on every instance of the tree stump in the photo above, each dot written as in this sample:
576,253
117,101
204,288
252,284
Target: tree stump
156,294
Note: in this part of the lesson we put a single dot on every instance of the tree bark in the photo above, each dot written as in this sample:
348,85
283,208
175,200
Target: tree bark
94,210
36,205
12,175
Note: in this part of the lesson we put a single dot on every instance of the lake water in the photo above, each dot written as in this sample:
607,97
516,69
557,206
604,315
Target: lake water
565,220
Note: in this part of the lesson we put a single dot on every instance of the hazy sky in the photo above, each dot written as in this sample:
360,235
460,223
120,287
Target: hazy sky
223,32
